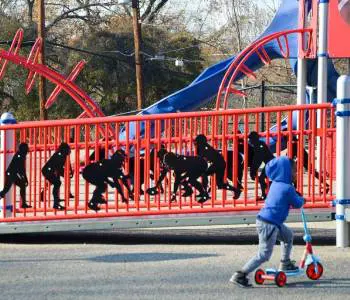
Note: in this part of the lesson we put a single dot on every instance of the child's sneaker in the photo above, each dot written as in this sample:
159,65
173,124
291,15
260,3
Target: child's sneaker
288,265
240,279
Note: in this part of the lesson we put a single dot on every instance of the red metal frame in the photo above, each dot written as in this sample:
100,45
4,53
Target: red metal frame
89,106
338,31
14,49
221,128
72,76
238,65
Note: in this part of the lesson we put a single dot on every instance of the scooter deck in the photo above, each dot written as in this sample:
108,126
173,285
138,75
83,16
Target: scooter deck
272,271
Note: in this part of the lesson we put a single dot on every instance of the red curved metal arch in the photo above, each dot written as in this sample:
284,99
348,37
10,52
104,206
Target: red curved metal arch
33,59
70,88
72,76
89,106
14,48
238,65
48,74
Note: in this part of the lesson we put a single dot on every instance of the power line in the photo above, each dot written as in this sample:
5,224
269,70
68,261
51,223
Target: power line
179,49
98,54
31,43
84,51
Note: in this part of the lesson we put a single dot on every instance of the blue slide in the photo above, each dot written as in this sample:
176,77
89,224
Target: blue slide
206,85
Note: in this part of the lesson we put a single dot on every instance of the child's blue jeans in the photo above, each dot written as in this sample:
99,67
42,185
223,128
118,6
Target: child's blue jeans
268,234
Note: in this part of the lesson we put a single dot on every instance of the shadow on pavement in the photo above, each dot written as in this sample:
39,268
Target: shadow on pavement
122,258
322,283
147,257
234,236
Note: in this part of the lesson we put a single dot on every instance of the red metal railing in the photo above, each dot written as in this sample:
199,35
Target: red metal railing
176,132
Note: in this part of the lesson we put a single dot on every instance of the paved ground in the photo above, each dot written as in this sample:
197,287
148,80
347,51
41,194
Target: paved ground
192,263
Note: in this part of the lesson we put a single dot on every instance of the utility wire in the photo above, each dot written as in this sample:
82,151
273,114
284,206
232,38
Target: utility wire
83,51
178,49
150,56
31,43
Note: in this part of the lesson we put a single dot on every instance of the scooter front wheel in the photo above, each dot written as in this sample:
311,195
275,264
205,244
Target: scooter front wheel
281,279
259,276
311,271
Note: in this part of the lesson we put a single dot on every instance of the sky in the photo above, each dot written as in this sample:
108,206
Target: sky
215,18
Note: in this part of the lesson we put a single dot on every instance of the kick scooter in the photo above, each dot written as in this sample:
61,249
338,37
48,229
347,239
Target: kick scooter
309,263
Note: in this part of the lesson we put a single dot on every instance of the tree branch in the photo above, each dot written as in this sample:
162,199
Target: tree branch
67,14
153,14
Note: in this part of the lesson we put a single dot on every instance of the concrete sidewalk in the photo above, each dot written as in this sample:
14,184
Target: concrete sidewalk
190,263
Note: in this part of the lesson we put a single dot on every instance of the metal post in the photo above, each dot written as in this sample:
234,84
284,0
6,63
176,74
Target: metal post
342,159
322,52
7,144
138,59
41,59
301,79
322,80
262,105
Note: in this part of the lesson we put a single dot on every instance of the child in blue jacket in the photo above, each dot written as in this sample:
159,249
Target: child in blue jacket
282,195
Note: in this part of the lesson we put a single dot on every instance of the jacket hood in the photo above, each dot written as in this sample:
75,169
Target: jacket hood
279,169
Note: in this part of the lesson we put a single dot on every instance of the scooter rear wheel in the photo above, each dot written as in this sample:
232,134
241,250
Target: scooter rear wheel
258,276
281,279
311,271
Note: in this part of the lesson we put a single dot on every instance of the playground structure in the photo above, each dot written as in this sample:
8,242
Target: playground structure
288,36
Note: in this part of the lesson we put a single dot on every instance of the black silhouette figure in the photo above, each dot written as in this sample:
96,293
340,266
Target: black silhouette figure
187,169
16,174
99,174
250,156
164,169
52,171
142,167
218,164
132,162
262,154
101,154
61,173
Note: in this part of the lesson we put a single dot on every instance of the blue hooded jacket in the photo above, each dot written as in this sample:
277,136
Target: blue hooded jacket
282,193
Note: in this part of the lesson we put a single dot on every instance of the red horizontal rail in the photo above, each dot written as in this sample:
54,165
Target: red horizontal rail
129,119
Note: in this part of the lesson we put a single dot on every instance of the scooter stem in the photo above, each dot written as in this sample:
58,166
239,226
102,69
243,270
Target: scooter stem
307,236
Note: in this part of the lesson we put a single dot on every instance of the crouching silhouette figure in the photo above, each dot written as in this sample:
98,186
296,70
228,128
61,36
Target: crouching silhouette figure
107,171
217,167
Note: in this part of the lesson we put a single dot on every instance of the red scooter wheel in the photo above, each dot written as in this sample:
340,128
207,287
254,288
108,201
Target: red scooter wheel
281,279
311,271
258,276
